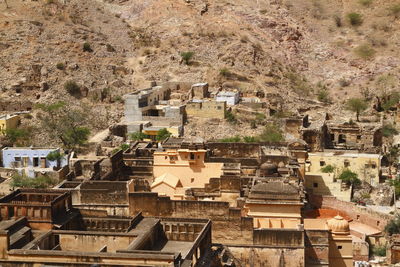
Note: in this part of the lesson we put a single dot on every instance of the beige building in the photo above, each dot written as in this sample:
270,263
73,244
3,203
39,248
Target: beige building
367,166
168,185
8,122
274,204
334,249
206,109
188,165
327,184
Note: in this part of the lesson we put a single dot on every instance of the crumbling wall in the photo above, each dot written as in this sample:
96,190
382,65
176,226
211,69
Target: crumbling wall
357,213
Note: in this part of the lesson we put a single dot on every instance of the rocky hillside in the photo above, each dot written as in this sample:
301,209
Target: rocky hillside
109,47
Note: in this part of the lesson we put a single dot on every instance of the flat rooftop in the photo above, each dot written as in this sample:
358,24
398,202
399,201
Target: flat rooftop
7,116
348,154
30,148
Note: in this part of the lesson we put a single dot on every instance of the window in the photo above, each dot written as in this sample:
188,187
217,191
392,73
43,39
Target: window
17,158
377,223
358,217
219,107
315,185
332,137
322,163
192,180
373,165
198,156
192,157
358,137
339,247
35,162
342,139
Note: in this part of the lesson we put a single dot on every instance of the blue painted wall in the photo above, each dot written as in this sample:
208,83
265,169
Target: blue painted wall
10,153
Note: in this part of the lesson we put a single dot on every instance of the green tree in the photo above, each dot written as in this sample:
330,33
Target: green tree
87,48
122,147
349,177
54,156
271,133
356,105
64,123
17,136
137,136
328,169
393,226
162,134
187,56
389,130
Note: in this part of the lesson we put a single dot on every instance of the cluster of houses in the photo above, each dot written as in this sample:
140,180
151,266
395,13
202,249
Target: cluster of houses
184,201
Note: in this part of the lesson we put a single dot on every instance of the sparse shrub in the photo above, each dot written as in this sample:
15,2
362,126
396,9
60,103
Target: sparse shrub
230,117
365,2
187,56
365,51
355,19
122,147
260,117
162,134
328,169
338,21
389,130
60,66
271,133
393,226
249,139
323,96
28,116
118,98
23,181
110,48
87,47
253,124
72,88
263,11
234,139
343,82
224,72
379,250
395,10
49,2
137,136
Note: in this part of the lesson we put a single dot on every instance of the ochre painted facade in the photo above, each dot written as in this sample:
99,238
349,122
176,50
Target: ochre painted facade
188,165
8,122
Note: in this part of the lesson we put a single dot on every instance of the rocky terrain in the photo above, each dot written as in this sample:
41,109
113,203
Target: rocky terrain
295,49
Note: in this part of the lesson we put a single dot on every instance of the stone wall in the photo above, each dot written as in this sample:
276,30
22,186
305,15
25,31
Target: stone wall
271,257
357,213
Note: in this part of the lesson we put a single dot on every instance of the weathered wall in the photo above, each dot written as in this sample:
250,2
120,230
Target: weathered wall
93,243
272,257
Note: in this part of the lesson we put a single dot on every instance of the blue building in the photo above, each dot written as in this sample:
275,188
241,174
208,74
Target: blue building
31,159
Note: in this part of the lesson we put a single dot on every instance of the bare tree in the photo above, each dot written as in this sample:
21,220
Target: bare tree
5,1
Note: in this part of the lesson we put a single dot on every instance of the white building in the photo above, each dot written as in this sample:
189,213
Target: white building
231,98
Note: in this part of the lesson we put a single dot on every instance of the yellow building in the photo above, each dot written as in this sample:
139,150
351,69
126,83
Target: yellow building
8,122
206,109
188,165
367,166
340,243
274,204
332,240
327,184
168,185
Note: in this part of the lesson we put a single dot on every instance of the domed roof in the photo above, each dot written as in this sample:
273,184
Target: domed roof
268,166
338,225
